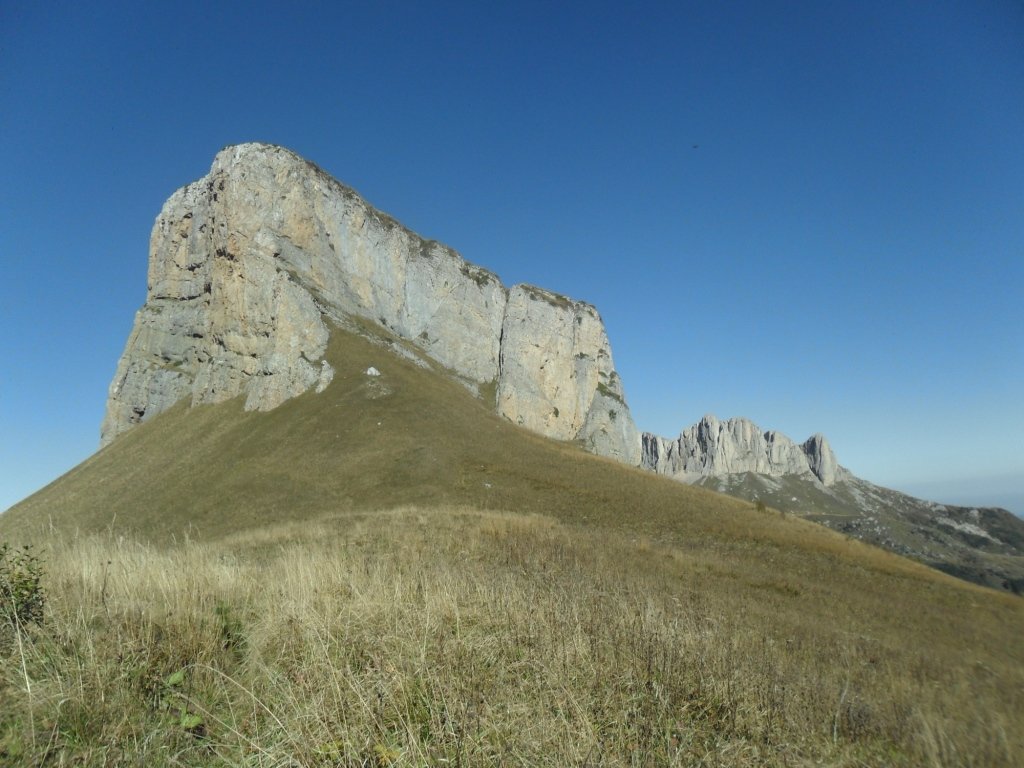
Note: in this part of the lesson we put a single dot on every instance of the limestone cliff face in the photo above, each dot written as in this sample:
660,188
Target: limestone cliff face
246,262
557,376
717,448
821,459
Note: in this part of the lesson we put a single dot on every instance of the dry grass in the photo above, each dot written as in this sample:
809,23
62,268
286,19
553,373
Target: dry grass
431,637
230,588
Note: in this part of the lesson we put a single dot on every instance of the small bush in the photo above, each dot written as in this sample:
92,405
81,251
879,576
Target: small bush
21,592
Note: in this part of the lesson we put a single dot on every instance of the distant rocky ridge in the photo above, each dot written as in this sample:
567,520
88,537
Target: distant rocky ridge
983,545
980,544
248,266
716,448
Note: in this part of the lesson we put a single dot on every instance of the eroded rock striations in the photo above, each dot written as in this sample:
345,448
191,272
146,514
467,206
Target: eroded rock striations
246,263
713,448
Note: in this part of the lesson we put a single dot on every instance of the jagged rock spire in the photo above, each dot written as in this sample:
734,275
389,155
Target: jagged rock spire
715,448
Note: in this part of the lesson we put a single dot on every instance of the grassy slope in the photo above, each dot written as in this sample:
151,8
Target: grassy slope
899,523
409,437
631,620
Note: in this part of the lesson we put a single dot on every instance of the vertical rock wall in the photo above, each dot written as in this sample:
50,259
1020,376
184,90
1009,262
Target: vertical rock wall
245,262
557,376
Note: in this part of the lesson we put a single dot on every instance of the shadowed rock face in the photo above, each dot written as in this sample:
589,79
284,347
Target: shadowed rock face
245,264
717,448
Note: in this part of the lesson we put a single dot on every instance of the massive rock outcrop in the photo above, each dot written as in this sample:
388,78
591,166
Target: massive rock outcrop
556,374
718,448
247,263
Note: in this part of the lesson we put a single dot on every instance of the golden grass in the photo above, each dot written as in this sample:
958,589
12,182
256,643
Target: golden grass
432,637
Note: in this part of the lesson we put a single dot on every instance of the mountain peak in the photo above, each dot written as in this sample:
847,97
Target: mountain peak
713,448
249,263
821,459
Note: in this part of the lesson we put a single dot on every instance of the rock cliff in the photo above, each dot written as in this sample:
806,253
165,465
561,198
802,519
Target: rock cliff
717,448
247,264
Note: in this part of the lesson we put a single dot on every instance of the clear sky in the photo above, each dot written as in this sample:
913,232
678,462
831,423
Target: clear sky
810,214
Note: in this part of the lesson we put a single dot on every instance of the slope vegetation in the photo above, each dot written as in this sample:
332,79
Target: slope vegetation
984,545
409,436
389,574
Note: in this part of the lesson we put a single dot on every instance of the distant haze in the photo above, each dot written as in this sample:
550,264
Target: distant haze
998,491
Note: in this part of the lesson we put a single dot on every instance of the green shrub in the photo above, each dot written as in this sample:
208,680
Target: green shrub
21,591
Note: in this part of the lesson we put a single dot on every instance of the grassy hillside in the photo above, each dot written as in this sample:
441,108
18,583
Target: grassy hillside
408,437
983,545
388,574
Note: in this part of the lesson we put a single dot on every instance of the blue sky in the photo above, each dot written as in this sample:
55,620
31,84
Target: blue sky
809,214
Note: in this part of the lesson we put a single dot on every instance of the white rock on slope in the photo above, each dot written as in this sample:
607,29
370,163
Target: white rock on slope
245,262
